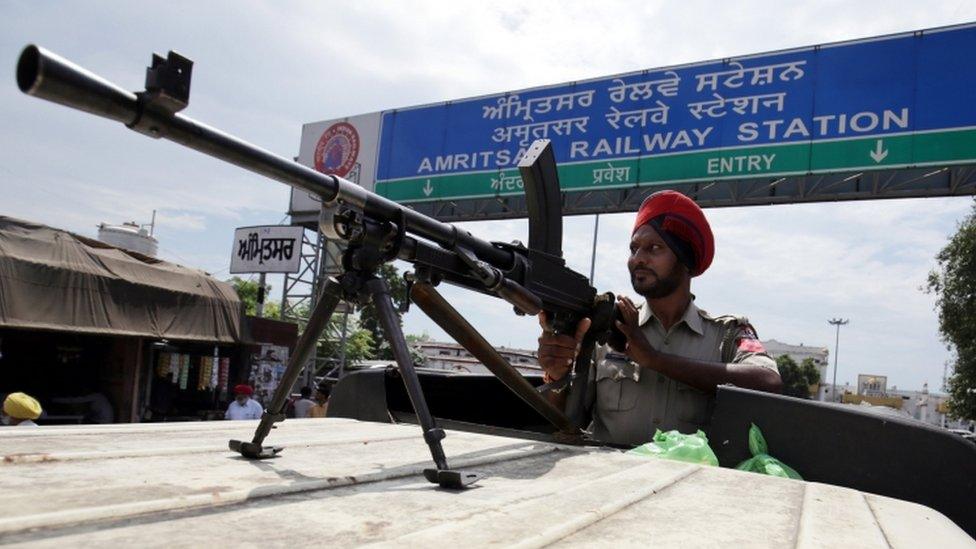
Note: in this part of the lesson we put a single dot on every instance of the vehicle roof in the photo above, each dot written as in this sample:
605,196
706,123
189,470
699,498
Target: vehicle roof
343,482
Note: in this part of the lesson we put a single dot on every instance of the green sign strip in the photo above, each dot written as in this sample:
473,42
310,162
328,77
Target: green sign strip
793,159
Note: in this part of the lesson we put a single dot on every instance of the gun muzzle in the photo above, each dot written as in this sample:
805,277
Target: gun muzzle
44,74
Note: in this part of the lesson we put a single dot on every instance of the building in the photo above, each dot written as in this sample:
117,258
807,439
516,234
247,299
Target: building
925,406
799,353
453,357
99,334
826,391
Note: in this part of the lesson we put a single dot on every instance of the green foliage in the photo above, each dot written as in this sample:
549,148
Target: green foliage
359,342
414,341
272,309
364,337
797,378
247,291
954,283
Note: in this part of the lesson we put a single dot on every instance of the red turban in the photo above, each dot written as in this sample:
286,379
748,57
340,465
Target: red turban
677,217
243,390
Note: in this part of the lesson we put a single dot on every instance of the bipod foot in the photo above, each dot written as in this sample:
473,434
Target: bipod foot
254,451
449,478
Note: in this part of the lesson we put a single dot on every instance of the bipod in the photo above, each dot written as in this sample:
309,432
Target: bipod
275,412
442,475
360,287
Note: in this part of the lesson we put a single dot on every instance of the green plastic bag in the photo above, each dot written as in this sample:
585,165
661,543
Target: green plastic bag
680,447
763,463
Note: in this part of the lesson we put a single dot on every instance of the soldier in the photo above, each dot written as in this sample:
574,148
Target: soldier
675,353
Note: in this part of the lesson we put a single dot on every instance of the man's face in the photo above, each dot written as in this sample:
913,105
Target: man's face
654,269
241,398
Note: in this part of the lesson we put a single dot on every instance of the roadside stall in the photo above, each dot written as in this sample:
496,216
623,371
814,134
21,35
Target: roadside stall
94,331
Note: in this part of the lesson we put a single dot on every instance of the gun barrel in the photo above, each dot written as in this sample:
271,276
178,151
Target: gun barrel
46,75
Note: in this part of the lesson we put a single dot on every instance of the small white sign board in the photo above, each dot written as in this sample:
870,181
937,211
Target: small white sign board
271,249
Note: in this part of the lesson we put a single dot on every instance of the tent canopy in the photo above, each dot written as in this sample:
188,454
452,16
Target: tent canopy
52,279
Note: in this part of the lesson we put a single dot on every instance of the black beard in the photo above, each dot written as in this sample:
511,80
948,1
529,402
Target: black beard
663,287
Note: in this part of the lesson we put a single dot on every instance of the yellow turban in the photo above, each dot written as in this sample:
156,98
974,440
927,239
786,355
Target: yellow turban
22,406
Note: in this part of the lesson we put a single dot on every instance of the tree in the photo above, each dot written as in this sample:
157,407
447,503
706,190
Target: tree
954,284
364,337
369,321
797,378
247,291
359,342
414,342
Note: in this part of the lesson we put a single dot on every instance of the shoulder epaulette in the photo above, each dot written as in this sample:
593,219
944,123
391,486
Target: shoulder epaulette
727,320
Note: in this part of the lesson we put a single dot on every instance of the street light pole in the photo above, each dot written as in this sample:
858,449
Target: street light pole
596,232
838,323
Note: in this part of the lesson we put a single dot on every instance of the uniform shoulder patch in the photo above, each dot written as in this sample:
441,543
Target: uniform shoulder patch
748,341
740,336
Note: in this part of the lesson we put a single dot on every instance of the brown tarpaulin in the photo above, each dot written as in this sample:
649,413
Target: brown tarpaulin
55,280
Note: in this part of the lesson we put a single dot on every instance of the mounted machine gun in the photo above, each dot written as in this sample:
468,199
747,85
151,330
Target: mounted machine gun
374,230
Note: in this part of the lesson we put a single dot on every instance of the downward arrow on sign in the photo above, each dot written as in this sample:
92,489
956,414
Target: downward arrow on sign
428,188
879,153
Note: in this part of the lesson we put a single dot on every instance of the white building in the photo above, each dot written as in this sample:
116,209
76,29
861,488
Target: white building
799,353
925,406
453,357
929,407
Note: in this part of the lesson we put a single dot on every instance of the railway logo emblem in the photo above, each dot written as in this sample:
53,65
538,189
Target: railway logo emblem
337,149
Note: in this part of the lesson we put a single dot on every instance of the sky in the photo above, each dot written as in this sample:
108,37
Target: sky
263,69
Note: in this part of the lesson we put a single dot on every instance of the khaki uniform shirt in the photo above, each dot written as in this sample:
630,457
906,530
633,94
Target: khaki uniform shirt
632,402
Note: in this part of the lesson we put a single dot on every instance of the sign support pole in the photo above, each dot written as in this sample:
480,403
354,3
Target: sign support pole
259,312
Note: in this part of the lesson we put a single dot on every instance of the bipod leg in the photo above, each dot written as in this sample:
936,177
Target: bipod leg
303,351
433,435
451,321
579,390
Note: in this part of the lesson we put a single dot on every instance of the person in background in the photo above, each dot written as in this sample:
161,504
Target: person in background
304,404
99,408
321,401
20,409
243,406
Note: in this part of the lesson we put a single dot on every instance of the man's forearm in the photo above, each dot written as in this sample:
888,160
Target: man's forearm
706,376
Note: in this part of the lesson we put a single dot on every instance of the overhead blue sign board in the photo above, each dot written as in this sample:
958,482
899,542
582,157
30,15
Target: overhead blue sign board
894,101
